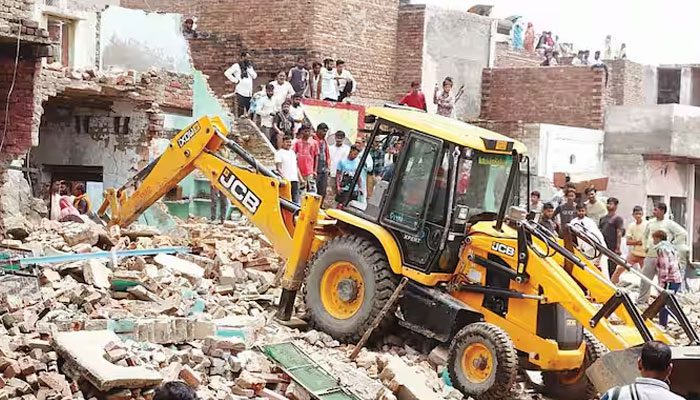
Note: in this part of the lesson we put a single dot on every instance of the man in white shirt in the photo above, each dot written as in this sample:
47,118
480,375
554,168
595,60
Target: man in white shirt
286,166
338,151
592,229
297,113
242,75
283,90
346,82
266,109
655,366
329,86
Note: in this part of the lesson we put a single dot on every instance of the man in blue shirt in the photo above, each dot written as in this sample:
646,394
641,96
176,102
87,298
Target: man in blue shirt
345,173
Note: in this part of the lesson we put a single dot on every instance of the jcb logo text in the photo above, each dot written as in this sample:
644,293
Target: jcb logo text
502,248
187,136
239,191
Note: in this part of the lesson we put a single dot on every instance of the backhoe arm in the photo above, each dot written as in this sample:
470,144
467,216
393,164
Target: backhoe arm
257,192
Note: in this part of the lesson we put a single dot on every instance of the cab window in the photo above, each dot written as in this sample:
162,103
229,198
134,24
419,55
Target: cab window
407,206
481,181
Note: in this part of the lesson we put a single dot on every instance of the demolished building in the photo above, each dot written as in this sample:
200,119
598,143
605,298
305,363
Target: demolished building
88,101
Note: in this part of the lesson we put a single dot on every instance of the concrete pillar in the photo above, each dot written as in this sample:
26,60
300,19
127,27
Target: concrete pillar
690,207
492,43
686,93
650,85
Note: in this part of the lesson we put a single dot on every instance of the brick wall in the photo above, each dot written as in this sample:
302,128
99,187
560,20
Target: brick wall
16,9
512,129
555,95
225,28
409,47
507,57
625,83
18,137
363,33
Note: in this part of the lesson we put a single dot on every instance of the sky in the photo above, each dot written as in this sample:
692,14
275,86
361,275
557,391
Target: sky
655,31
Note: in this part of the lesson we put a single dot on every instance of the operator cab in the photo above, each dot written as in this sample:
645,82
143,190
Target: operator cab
425,189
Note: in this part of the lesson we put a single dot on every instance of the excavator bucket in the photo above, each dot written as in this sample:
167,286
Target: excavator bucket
619,368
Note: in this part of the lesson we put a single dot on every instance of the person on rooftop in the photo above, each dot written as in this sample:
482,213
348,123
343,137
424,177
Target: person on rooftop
414,98
444,99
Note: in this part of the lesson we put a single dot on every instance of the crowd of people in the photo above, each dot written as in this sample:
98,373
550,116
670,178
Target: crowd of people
548,46
313,165
69,201
657,246
277,106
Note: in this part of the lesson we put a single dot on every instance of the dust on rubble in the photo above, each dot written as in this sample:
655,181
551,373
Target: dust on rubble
91,329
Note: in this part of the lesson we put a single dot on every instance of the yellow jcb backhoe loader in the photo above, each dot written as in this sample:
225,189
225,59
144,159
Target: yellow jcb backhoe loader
497,288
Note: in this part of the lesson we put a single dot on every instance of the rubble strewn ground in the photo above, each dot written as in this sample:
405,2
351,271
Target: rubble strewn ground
95,329
77,330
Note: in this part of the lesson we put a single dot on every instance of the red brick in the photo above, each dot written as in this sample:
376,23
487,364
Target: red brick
361,32
19,129
409,45
557,95
12,370
190,377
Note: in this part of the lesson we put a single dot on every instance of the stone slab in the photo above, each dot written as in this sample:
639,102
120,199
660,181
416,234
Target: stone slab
86,349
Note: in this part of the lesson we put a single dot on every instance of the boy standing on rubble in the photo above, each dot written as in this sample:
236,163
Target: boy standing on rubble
667,267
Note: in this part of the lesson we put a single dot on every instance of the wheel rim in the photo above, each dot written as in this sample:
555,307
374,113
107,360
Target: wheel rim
477,362
342,290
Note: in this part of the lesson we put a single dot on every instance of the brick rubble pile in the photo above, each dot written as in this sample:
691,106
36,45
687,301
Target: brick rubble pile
170,314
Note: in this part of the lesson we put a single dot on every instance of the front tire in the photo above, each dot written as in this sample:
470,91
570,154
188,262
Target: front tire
348,284
574,384
483,362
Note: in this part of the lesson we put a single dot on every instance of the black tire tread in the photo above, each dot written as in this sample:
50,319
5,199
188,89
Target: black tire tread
584,389
507,357
385,282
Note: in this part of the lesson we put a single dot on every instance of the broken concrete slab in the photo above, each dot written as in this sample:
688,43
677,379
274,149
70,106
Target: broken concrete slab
143,294
86,348
230,274
296,392
97,274
74,233
186,268
438,356
405,382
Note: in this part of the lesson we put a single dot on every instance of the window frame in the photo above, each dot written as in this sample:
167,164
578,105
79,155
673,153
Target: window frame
397,180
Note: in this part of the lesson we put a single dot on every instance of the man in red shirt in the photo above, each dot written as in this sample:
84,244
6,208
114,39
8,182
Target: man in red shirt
306,150
414,98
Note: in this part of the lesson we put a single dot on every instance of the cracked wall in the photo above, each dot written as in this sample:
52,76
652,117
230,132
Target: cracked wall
116,140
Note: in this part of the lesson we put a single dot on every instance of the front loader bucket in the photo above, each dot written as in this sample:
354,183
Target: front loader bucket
619,368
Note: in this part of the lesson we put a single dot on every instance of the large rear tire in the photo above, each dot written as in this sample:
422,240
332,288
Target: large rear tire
574,384
483,362
348,284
